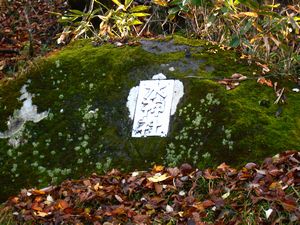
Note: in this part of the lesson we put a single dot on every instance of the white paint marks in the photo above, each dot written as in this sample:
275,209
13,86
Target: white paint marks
28,112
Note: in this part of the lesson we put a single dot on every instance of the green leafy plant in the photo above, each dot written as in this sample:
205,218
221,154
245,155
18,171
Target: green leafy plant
269,32
79,23
118,21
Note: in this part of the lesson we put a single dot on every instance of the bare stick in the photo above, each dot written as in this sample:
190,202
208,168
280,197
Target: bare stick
31,50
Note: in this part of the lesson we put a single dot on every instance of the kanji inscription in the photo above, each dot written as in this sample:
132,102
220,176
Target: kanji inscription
153,107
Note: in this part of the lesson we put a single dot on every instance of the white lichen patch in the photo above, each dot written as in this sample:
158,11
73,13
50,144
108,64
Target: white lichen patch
28,112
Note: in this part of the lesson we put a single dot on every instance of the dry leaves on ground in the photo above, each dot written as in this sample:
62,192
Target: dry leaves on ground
262,193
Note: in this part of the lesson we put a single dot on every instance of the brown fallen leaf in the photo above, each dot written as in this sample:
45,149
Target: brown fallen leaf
62,204
141,219
289,204
238,76
223,167
87,183
208,174
208,203
36,207
186,169
38,192
173,172
233,81
265,81
158,188
265,68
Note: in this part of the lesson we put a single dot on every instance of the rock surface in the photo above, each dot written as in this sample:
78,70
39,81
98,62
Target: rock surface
75,118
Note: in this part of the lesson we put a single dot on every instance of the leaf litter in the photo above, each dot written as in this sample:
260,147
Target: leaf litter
264,194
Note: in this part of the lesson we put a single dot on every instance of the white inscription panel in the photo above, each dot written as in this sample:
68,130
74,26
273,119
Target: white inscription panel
153,108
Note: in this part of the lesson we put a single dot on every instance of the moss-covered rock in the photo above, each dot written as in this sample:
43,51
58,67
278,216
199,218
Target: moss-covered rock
77,121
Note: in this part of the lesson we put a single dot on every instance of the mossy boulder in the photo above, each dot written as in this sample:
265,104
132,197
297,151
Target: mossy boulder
67,117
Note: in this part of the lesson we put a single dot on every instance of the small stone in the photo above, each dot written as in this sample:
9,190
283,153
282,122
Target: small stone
182,193
172,69
185,178
169,209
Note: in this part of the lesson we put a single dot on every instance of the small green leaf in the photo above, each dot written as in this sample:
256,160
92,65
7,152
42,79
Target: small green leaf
77,12
199,2
139,8
235,41
128,3
173,11
117,2
140,14
246,27
176,2
135,22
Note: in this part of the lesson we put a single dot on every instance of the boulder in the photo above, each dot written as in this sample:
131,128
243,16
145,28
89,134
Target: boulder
68,116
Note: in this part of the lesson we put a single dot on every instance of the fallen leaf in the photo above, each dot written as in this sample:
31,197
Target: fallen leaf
289,204
141,219
186,169
38,199
223,167
265,81
268,213
265,68
249,14
38,192
207,203
199,206
250,166
96,186
62,204
118,211
208,175
238,76
173,172
87,183
233,81
41,214
158,188
226,195
158,168
275,185
158,177
36,207
119,198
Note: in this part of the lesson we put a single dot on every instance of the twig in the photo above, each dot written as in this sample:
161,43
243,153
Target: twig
146,24
222,78
9,51
279,96
30,51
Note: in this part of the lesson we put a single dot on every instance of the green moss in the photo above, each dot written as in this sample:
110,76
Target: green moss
85,90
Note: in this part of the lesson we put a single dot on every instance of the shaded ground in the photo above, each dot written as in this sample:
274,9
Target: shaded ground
27,28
